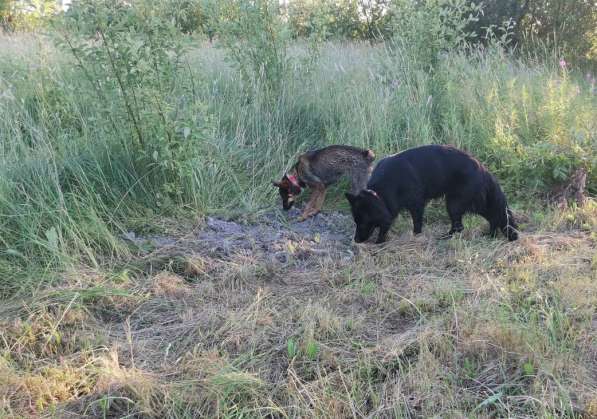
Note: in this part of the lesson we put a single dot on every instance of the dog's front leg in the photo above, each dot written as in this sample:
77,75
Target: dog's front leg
320,198
310,208
383,232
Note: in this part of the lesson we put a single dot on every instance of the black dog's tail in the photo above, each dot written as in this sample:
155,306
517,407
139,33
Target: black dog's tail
498,211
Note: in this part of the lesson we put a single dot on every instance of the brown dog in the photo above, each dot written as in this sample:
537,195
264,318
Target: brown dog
321,168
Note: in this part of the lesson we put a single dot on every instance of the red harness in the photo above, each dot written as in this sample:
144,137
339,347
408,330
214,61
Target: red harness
292,179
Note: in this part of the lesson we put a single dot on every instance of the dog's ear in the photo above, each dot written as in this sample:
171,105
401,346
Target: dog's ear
284,184
351,198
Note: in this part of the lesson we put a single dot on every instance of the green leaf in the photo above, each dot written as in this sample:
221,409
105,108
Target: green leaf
13,252
528,368
52,237
490,400
312,350
292,348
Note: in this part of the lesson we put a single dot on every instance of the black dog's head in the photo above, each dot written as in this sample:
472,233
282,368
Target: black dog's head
288,187
369,212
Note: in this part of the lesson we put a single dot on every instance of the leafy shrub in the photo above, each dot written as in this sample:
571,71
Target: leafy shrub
325,19
423,30
253,35
26,15
196,16
344,19
131,55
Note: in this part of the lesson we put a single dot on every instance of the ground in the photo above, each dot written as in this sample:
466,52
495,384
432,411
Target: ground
272,317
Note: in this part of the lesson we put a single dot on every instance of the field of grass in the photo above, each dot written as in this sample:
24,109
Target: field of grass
92,324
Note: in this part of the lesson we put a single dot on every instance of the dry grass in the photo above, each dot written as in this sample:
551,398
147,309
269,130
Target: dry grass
416,328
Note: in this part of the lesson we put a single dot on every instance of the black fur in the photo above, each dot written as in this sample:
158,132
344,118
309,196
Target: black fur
288,191
408,180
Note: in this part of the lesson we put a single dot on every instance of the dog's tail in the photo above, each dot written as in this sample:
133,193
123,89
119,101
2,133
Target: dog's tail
497,206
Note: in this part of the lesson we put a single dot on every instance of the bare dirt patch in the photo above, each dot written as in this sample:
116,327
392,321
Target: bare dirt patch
275,239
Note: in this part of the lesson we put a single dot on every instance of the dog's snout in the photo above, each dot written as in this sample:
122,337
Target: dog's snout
288,202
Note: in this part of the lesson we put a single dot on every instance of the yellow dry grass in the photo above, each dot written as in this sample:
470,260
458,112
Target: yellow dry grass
419,327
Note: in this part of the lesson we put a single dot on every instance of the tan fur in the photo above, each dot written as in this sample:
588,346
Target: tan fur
319,169
315,202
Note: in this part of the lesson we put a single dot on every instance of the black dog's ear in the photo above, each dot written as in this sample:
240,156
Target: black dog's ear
351,198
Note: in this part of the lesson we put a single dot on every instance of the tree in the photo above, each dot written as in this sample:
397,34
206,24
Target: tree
25,15
564,24
498,13
376,18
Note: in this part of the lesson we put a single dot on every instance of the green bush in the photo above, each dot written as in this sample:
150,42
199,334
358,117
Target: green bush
131,57
27,15
339,19
195,16
424,30
114,128
565,25
253,35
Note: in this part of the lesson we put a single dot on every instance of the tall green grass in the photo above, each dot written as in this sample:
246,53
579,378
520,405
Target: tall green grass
70,183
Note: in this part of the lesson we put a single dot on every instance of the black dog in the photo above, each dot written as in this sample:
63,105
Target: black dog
410,179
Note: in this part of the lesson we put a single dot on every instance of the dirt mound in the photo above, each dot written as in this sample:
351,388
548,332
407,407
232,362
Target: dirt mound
276,237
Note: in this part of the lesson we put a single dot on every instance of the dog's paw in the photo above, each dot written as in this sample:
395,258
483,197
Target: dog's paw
305,217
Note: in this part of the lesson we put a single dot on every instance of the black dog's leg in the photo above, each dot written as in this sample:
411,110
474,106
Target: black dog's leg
383,232
493,223
416,212
455,210
493,230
